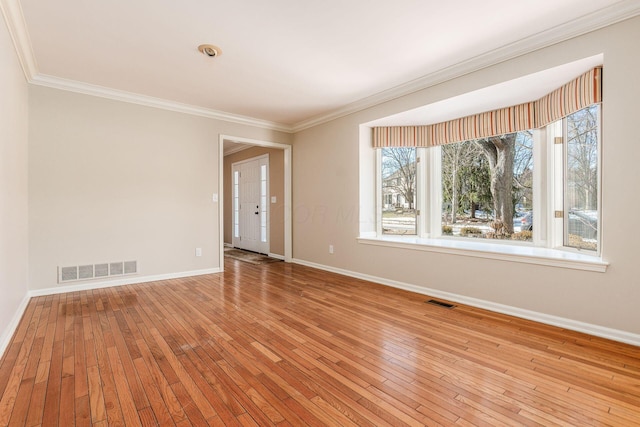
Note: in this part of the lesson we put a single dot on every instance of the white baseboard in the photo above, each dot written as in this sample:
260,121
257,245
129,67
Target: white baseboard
7,334
574,325
129,280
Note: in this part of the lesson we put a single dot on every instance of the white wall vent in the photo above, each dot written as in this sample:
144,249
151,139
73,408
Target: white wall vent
101,270
68,273
85,272
130,267
96,271
116,269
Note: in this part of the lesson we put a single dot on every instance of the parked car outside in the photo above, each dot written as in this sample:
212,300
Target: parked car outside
581,223
524,221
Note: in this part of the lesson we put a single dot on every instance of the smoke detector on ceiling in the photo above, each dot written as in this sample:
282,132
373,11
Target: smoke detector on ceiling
210,50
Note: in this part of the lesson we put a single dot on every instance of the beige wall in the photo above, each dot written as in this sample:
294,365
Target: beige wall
276,188
326,204
112,181
13,186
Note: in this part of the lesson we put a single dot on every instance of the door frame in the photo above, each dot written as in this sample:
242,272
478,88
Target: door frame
288,252
234,165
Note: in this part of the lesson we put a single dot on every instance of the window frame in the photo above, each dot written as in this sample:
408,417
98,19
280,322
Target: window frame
565,148
419,203
547,246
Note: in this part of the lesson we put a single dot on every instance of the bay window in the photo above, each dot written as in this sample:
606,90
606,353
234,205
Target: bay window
521,176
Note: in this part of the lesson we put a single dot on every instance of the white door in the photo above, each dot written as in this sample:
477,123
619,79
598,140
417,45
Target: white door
250,182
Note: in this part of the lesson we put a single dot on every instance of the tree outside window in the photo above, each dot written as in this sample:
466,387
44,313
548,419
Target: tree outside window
487,187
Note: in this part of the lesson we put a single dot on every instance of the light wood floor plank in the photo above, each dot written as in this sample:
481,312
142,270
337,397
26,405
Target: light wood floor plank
286,345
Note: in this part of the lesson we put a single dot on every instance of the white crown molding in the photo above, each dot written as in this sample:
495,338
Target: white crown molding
612,14
18,31
16,24
149,101
562,322
617,12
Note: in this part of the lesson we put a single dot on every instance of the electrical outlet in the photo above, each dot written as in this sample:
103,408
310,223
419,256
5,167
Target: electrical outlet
198,251
330,249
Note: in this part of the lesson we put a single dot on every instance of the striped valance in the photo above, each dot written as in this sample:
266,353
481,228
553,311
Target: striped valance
401,136
497,122
573,96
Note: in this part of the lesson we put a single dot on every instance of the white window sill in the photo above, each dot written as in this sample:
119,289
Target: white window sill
504,252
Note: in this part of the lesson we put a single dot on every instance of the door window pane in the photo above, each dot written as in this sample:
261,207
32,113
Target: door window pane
236,204
263,203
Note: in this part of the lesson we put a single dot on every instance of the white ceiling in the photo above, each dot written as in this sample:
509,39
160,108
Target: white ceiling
512,92
284,63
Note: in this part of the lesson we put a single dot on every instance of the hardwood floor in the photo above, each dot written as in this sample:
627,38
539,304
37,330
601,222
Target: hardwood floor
282,344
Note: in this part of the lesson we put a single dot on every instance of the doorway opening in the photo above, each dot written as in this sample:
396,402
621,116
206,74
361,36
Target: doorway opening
258,216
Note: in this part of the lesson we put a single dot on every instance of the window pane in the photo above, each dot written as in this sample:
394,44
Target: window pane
581,185
523,188
399,190
487,188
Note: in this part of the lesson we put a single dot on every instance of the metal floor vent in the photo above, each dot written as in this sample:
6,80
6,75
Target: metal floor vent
440,303
96,271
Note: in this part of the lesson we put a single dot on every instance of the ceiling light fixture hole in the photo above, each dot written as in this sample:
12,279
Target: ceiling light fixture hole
210,50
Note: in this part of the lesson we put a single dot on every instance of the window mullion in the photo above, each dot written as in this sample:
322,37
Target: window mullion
599,180
422,192
556,199
379,201
542,187
433,187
